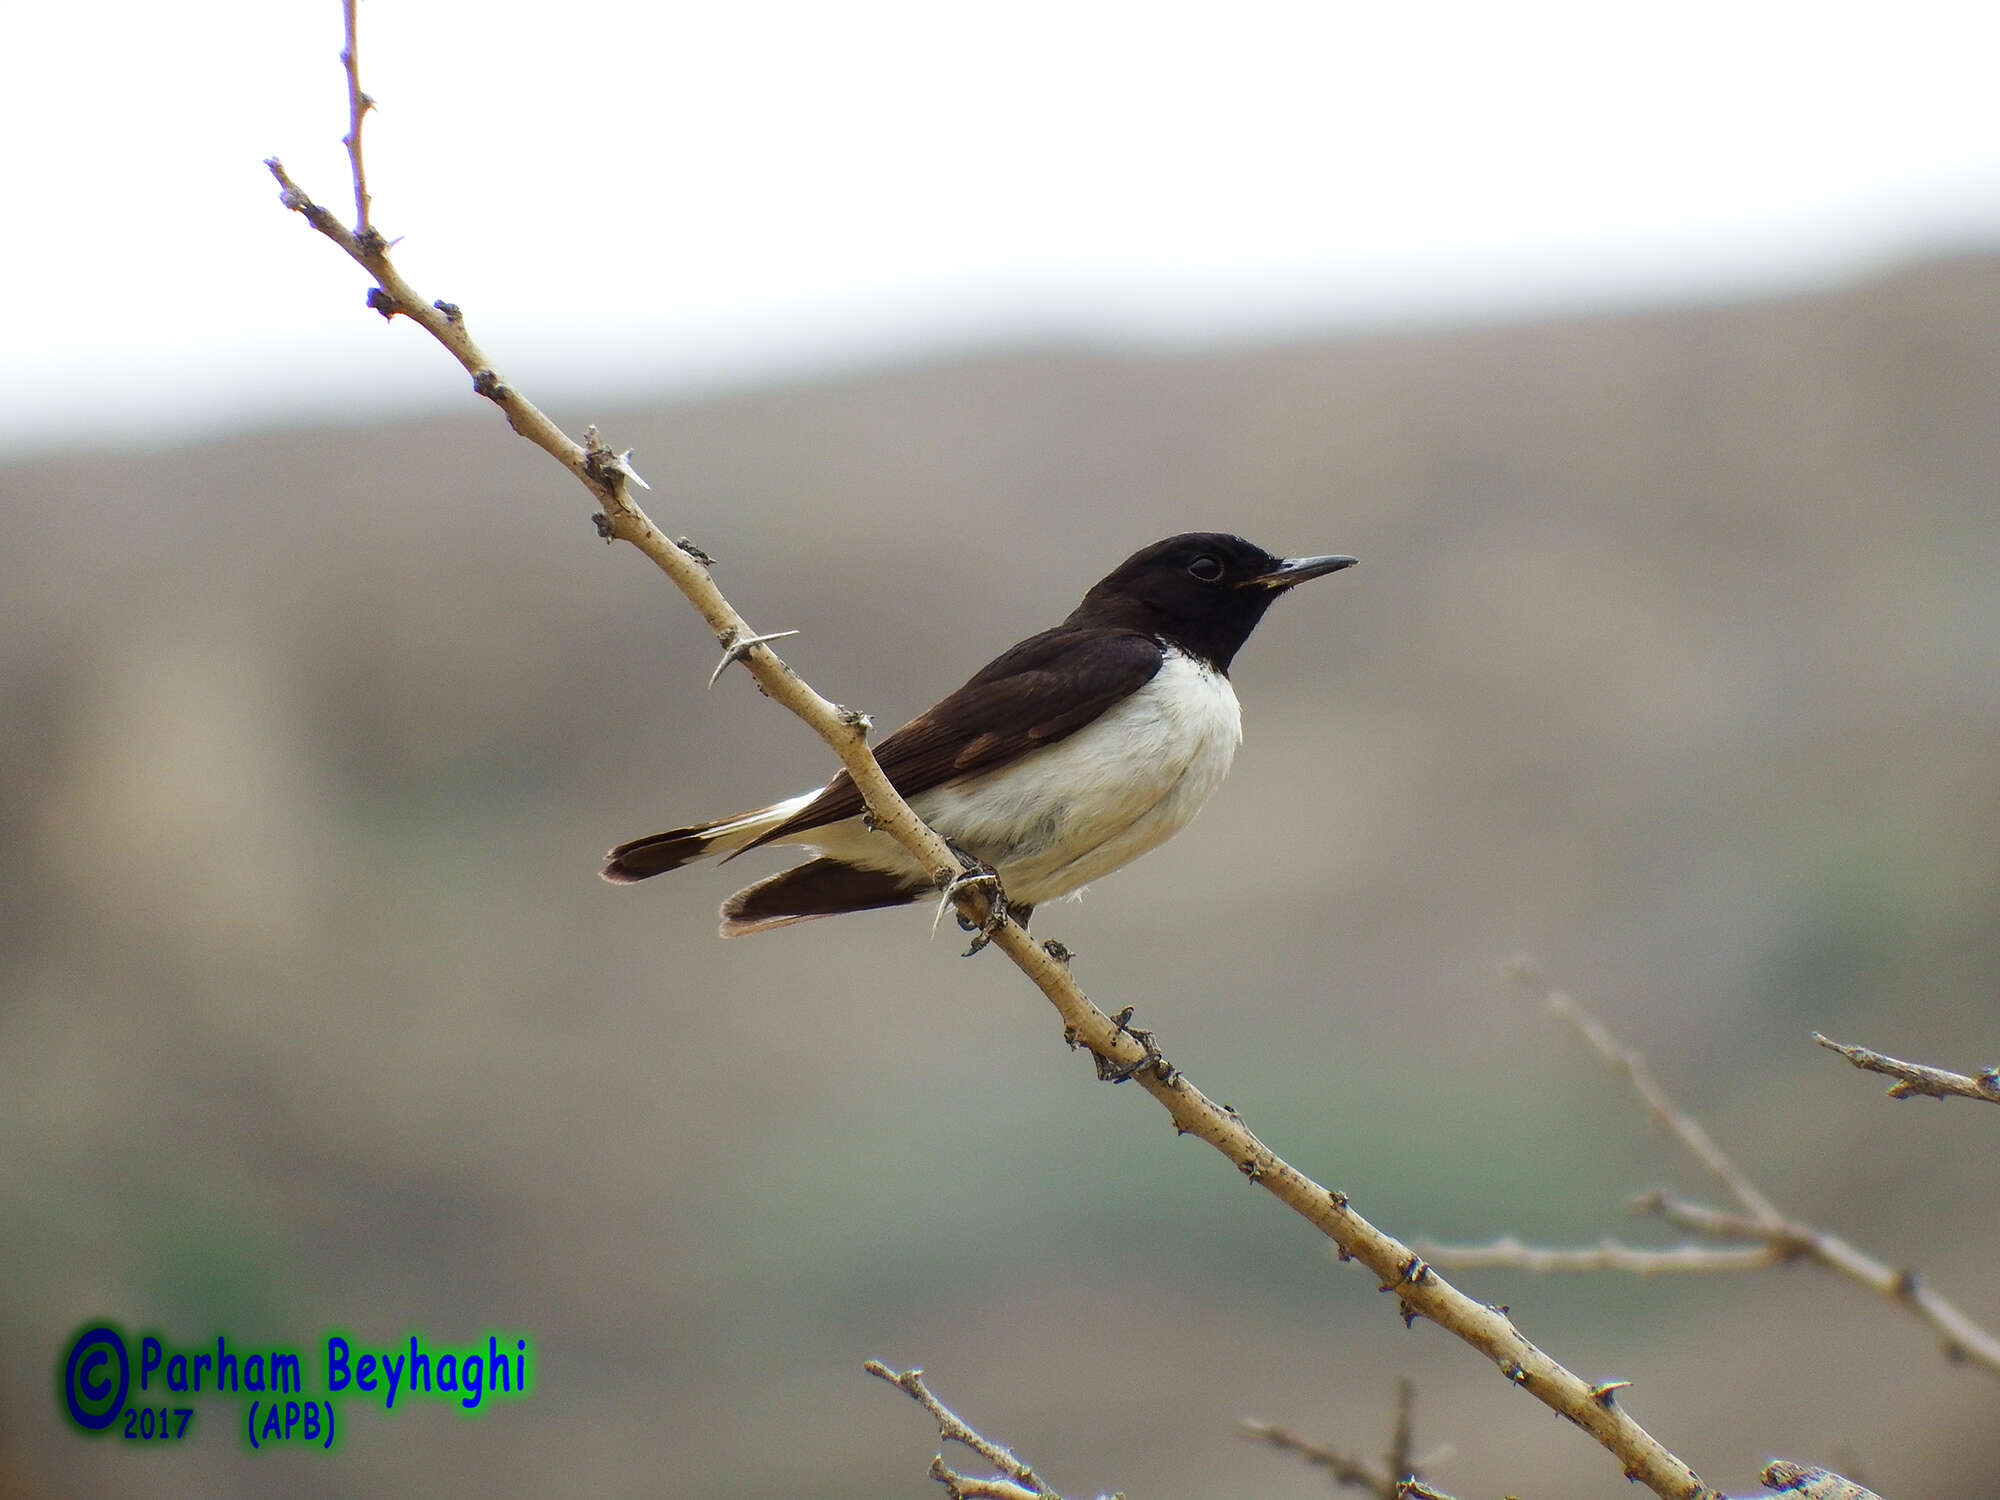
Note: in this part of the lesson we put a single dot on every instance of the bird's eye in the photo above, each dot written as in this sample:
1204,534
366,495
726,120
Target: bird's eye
1206,568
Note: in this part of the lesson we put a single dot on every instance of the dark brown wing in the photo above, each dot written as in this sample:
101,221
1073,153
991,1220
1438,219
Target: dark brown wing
1041,691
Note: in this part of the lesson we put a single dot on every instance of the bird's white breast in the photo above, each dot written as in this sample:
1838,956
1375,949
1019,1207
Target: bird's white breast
1064,815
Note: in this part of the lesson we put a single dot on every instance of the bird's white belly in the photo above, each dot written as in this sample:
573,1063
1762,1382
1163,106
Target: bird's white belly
1066,814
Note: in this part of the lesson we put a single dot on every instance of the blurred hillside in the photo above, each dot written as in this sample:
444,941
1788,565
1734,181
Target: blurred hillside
1671,660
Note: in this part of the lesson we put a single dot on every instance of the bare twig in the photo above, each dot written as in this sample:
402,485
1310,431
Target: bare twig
1913,1079
1345,1469
1961,1338
1632,1063
1418,1289
1777,1240
358,105
1397,1477
1402,1433
1019,1480
1607,1255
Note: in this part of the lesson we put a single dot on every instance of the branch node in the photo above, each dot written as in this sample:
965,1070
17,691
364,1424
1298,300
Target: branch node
694,552
381,302
451,312
486,383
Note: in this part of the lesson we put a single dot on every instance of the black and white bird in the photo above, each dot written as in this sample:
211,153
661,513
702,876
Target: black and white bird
1066,757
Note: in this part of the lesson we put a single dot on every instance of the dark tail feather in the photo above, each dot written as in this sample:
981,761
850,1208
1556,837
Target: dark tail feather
817,888
657,853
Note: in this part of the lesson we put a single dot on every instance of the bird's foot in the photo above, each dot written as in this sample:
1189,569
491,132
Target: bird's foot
979,876
1148,1060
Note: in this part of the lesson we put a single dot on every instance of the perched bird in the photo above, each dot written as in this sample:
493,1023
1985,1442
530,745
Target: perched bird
1066,757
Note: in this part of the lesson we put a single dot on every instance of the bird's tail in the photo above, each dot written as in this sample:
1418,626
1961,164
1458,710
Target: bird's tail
817,888
658,853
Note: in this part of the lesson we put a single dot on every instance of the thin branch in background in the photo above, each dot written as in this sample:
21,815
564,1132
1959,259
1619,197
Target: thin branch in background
1778,1240
1018,1481
1606,1255
1396,1477
1632,1063
358,105
1402,1432
1913,1079
1960,1337
1419,1290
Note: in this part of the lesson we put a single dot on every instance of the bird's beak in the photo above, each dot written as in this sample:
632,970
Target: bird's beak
1298,569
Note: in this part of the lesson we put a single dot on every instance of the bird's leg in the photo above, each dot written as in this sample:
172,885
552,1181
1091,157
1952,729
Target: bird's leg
979,875
1111,1072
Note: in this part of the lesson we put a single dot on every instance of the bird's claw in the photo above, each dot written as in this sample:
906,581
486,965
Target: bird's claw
979,876
1149,1059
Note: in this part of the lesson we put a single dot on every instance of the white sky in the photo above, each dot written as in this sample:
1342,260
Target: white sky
629,197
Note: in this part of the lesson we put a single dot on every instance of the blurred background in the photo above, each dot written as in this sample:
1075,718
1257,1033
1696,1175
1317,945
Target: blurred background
1652,375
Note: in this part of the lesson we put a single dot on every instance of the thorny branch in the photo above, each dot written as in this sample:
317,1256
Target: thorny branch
1418,1289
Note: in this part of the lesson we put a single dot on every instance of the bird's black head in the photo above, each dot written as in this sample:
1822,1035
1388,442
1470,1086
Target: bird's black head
1203,591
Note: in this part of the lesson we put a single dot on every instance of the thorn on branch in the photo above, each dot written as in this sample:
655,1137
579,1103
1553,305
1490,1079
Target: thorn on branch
737,648
1605,1392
